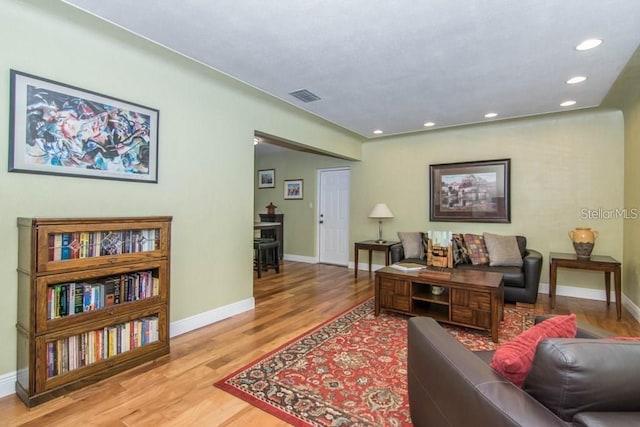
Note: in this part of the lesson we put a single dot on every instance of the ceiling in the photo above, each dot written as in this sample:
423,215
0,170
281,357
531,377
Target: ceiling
395,65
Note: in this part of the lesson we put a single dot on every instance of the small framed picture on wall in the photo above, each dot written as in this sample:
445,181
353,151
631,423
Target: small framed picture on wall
267,178
293,189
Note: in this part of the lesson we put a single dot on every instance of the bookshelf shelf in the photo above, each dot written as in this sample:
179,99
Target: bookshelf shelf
93,300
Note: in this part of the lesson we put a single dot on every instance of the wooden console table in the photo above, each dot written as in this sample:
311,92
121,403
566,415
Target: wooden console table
372,245
603,263
474,299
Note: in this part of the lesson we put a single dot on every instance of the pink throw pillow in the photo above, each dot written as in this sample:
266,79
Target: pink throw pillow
513,359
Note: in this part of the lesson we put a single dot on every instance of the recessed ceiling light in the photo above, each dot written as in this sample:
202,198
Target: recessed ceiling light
491,115
576,79
568,103
429,124
377,131
589,44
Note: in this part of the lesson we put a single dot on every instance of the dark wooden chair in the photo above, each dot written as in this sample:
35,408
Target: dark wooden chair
266,255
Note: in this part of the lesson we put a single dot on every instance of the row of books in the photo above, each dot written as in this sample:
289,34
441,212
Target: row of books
67,299
74,352
88,244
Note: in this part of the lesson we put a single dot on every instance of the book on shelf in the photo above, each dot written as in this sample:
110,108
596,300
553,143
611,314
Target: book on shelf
57,247
78,298
65,251
110,285
88,244
67,299
63,300
84,244
407,266
70,353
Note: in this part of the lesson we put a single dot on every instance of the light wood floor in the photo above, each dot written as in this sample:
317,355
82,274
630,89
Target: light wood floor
178,390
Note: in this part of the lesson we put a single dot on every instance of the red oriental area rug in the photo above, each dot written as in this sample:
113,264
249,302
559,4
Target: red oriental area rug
349,371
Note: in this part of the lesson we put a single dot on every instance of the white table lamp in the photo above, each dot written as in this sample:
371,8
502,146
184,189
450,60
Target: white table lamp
380,211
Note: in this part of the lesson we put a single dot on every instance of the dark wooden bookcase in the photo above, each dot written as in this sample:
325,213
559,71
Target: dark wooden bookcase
93,300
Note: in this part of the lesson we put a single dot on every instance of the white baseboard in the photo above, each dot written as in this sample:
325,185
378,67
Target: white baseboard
179,327
631,306
189,324
365,266
576,292
300,258
594,294
8,383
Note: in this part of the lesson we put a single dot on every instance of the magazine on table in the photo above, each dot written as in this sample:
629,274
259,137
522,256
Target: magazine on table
408,266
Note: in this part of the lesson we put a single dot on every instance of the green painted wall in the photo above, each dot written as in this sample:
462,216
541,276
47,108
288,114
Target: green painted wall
300,237
631,262
206,161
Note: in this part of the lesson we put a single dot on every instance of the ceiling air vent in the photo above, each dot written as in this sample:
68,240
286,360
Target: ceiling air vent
304,95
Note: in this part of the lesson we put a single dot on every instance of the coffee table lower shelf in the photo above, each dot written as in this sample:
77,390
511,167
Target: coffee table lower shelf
437,311
471,299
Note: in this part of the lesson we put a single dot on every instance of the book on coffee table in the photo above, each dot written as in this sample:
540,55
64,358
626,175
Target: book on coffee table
407,266
441,272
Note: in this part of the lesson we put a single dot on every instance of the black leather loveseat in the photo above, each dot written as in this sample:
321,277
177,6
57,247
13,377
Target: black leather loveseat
520,284
576,381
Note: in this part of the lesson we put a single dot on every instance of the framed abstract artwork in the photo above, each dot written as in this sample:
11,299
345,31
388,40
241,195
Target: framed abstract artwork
58,129
293,189
267,178
470,191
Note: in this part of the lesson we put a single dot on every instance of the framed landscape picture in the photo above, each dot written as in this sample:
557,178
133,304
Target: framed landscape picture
267,178
470,191
58,129
293,189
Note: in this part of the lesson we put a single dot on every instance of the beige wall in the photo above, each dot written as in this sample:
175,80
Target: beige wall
560,164
207,123
631,262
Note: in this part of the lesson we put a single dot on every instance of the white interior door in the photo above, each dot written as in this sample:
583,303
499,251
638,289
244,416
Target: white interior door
333,216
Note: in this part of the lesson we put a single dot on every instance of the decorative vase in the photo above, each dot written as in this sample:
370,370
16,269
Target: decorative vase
437,290
583,240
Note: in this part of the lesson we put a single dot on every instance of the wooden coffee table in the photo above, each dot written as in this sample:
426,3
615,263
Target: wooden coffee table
474,299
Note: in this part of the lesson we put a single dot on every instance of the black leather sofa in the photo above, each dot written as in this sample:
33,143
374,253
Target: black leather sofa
520,284
449,385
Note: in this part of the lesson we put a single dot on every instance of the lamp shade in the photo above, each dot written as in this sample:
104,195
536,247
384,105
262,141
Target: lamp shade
380,211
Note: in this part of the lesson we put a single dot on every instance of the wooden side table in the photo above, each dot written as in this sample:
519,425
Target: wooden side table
372,245
603,263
